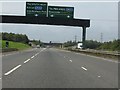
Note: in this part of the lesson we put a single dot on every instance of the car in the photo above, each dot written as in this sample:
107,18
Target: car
38,46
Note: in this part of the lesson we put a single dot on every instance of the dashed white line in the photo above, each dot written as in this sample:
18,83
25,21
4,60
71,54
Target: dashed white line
27,61
99,76
32,56
70,60
36,54
42,49
84,68
12,70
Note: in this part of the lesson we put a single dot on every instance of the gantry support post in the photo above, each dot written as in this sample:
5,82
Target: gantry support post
84,37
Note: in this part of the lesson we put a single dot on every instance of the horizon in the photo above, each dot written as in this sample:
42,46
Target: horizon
101,22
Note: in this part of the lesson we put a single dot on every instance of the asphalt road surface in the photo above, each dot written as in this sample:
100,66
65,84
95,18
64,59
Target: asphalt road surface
54,68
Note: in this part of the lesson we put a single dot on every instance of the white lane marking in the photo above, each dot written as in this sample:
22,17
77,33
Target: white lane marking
0,78
32,56
12,70
27,61
70,60
112,60
99,76
43,49
36,54
84,68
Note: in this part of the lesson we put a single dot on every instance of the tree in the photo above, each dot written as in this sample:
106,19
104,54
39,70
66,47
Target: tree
15,37
92,44
69,43
111,45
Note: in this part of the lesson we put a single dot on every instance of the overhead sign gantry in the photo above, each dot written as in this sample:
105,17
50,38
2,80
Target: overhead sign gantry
36,13
60,12
36,9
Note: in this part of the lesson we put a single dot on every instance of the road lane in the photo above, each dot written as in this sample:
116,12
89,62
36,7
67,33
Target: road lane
97,66
11,60
53,69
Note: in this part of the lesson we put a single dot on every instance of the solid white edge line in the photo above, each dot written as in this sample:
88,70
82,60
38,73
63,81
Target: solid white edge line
84,68
12,70
105,59
27,61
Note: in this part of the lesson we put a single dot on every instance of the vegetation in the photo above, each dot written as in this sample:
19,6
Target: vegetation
92,44
36,42
69,44
16,41
111,45
15,37
19,46
24,42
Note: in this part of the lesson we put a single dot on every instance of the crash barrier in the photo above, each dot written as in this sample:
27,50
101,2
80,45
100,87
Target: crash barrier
101,53
9,49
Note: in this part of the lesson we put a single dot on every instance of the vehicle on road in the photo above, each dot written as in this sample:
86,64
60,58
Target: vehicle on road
38,46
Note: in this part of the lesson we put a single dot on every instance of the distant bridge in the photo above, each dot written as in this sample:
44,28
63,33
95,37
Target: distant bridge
52,44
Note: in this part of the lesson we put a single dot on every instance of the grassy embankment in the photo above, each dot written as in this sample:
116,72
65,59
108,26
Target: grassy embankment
14,46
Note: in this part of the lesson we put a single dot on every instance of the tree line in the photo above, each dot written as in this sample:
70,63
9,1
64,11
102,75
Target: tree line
69,44
15,37
110,45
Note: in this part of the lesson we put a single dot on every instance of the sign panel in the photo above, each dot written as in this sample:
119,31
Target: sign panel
60,12
36,9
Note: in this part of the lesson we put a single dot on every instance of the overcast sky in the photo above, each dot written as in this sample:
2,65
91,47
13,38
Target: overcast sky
103,16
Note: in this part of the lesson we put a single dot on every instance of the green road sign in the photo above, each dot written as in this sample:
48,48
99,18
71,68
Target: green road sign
60,12
36,9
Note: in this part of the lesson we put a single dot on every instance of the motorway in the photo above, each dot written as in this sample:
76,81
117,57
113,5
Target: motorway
54,68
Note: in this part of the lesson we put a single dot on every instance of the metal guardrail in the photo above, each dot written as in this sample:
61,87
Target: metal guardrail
8,49
103,52
108,54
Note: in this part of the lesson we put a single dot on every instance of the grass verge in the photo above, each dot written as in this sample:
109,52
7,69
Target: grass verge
13,46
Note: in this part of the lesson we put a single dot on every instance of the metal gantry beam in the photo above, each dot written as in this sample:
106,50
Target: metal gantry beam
84,23
45,20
